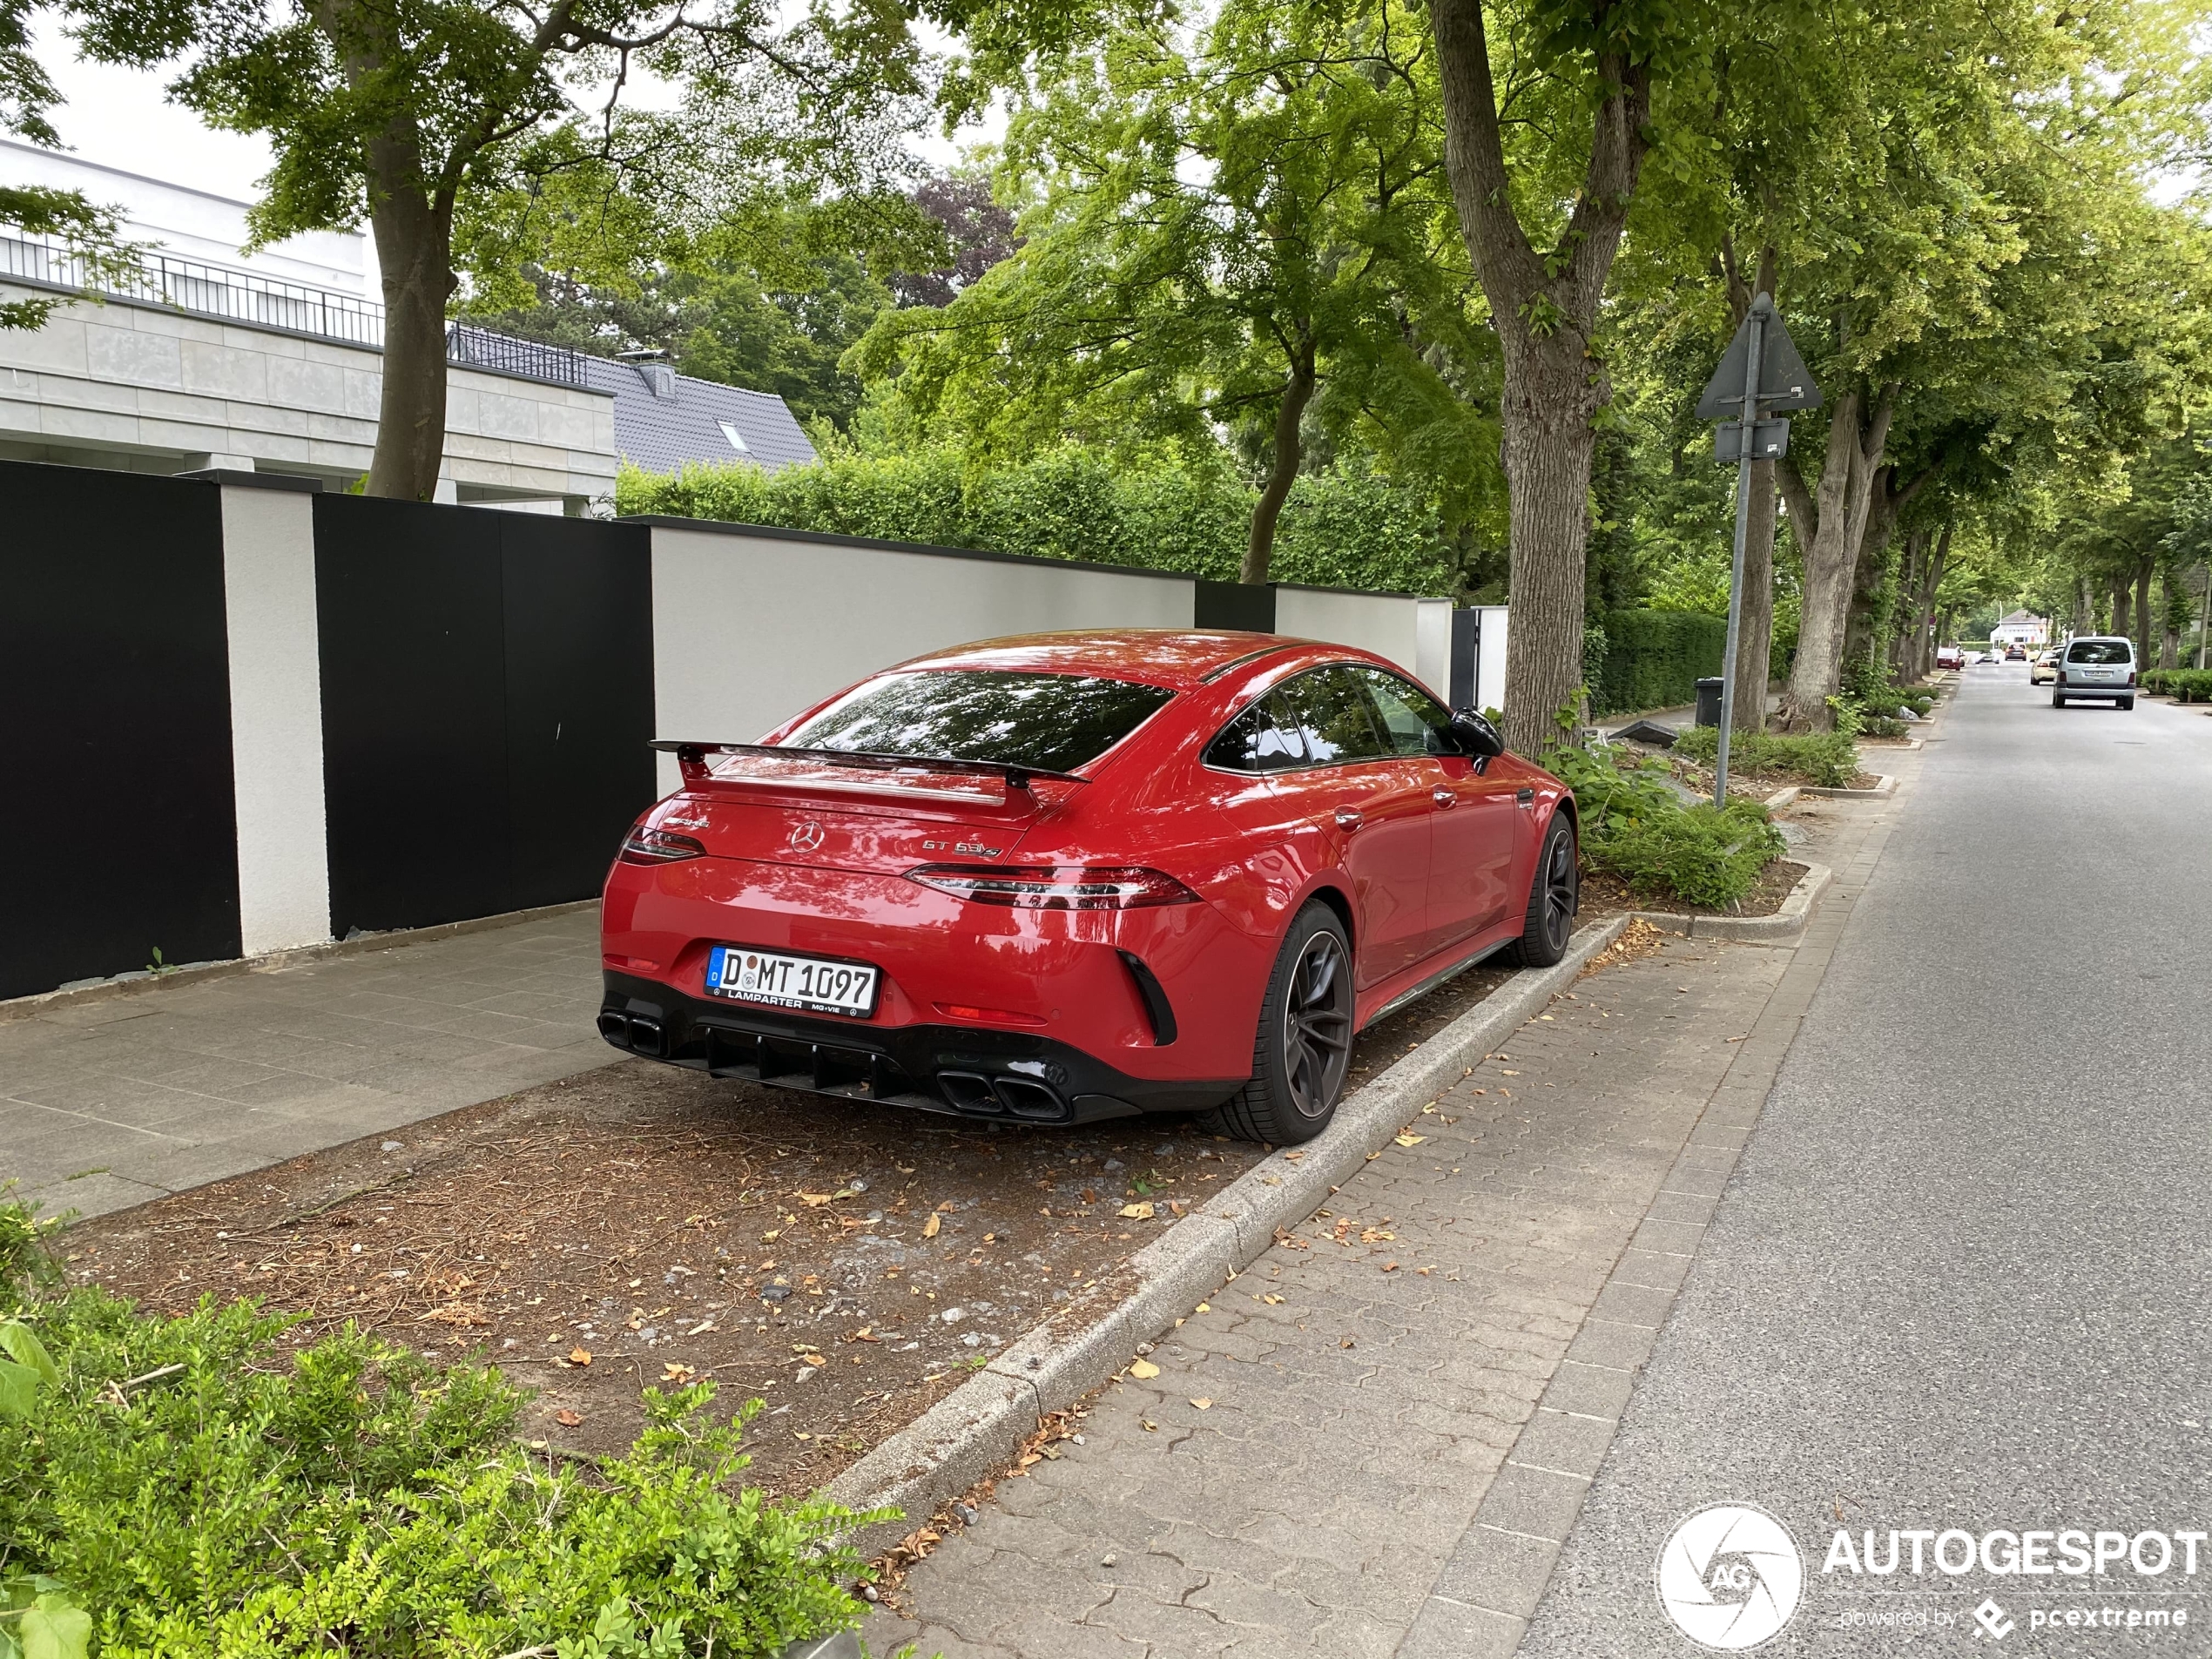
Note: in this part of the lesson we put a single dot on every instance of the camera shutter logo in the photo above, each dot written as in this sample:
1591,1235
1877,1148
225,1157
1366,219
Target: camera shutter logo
1729,1576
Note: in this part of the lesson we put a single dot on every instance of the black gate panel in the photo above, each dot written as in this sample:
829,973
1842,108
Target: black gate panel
413,721
579,634
118,823
487,702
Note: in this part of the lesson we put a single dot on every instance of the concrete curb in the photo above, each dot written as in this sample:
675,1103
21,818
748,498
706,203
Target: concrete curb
1886,784
1784,926
25,1007
974,1432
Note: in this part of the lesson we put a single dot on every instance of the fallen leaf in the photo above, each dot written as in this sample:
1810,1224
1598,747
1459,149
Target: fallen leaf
579,1355
1293,1158
702,1328
1390,1267
813,1360
1423,1271
1149,1425
1272,1301
1478,1091
1509,1074
813,1200
1202,1307
567,1419
865,1333
929,1227
673,1372
1344,1343
1143,1370
1135,1212
904,1169
1409,1140
770,1238
1203,1402
1371,1157
1090,1196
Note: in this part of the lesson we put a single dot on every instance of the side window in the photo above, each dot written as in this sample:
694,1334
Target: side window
1263,737
1335,717
1413,721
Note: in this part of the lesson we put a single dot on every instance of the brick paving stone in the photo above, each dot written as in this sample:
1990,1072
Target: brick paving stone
108,1104
1309,1509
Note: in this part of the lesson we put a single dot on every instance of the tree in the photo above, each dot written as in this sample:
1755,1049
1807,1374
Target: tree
400,111
1234,233
87,232
1592,61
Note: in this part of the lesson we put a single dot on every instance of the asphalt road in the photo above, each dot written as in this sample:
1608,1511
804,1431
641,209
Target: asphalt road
1963,1277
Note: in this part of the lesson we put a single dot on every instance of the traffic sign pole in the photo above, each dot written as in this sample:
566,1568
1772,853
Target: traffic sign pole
1749,415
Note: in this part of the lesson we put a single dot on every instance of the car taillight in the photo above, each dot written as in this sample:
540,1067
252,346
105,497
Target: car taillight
1049,887
647,846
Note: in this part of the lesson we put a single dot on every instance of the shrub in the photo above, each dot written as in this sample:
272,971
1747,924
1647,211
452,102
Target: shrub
1636,826
1828,759
2189,685
358,1499
1654,659
1348,526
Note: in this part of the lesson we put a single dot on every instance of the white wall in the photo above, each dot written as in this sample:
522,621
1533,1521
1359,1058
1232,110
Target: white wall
748,629
276,716
1490,661
1387,624
1433,646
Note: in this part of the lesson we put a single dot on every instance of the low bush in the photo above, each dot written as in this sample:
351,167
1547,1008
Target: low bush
1637,827
199,1495
1829,759
2189,685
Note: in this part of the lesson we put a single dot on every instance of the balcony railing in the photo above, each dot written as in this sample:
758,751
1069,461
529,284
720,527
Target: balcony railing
259,302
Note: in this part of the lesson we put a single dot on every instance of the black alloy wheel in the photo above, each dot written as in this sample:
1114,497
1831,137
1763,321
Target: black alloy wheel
1554,895
1302,1047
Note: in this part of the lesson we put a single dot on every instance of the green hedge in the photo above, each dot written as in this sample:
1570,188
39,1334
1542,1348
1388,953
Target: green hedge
2190,685
235,1501
1345,527
1654,658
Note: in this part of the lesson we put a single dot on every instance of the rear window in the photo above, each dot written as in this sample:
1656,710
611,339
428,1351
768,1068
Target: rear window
2101,651
1053,722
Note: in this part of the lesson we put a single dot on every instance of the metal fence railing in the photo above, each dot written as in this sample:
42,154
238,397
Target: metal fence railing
248,297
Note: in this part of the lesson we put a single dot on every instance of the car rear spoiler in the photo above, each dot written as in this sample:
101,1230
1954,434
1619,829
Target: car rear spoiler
692,758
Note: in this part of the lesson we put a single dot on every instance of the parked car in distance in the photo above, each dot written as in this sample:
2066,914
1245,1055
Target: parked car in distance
1073,876
2102,666
1950,656
2043,668
2015,654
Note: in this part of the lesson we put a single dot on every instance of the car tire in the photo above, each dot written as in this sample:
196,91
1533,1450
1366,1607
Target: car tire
2127,701
1303,1049
1554,895
2057,702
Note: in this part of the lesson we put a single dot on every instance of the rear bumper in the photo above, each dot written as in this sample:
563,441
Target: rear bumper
2074,688
1012,1076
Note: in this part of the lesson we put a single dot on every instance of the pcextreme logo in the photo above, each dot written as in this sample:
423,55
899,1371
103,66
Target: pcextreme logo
1729,1576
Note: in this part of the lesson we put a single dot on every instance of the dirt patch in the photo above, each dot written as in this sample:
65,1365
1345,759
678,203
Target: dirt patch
848,1264
642,1225
1775,884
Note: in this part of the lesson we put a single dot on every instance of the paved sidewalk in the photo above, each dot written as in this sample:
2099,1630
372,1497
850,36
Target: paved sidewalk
1355,1426
107,1103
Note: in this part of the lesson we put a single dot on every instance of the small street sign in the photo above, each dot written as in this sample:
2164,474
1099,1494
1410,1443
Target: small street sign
1759,373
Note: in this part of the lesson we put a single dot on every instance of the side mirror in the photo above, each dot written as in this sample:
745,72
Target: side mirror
1475,736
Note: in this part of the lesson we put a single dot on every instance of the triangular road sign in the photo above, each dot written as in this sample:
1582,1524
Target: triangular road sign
1783,382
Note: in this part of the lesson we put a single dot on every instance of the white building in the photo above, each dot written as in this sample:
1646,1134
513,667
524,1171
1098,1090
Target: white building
2021,629
205,356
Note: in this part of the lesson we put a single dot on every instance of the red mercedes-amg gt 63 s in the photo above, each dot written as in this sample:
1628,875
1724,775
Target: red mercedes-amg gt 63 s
1073,876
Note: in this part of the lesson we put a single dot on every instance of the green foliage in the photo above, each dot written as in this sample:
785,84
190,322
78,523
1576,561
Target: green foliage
1637,825
1654,658
2189,684
203,1496
1347,527
27,1266
39,1621
1826,758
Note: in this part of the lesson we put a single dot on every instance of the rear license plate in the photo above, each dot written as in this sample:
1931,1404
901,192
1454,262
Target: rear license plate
779,981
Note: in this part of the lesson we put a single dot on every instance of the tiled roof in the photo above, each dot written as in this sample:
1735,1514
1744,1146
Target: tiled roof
704,421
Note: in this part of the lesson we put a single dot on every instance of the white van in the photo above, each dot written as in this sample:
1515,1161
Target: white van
2101,666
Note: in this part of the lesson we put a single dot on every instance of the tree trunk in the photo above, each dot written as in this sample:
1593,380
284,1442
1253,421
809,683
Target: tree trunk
2171,645
1904,616
2085,610
1923,660
2146,631
1870,569
1544,308
1837,521
415,249
1548,445
1259,552
2119,608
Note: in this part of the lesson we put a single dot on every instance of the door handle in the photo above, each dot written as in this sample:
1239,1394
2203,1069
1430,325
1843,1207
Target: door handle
1443,796
1524,796
1349,819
